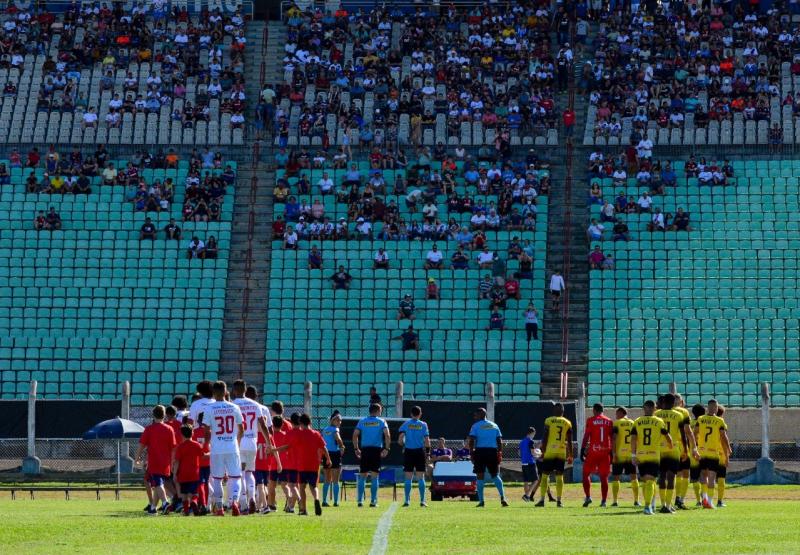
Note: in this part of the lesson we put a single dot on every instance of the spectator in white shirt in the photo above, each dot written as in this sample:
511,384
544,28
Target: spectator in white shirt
430,211
90,118
290,239
433,260
485,258
644,203
381,259
364,229
595,231
705,177
557,285
657,221
645,148
196,247
325,184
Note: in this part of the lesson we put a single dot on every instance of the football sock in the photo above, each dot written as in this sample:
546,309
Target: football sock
587,485
635,490
559,485
326,488
615,490
704,488
720,488
234,486
336,492
543,486
202,495
649,491
407,489
250,483
216,490
662,496
421,486
373,489
696,488
480,490
604,487
361,485
498,483
670,496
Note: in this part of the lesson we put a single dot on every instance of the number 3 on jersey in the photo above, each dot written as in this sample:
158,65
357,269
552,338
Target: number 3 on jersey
224,425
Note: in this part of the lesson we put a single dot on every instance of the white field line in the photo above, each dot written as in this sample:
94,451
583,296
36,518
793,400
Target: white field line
381,538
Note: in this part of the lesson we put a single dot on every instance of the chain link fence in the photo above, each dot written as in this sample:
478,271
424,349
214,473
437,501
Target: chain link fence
95,458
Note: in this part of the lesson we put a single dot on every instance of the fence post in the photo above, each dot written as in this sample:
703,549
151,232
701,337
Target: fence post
398,399
580,416
490,401
31,463
307,397
125,459
765,466
673,388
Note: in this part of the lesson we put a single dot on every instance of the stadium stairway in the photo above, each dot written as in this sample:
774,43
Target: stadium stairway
242,353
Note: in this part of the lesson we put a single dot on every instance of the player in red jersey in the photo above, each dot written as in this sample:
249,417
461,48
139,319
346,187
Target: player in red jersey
596,452
309,448
263,457
186,469
159,440
173,488
202,435
279,475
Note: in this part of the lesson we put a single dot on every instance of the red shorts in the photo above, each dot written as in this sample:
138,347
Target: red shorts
597,462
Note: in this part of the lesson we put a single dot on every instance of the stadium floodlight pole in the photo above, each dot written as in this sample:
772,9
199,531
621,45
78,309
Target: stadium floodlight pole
308,389
490,401
580,418
124,459
31,463
765,466
398,399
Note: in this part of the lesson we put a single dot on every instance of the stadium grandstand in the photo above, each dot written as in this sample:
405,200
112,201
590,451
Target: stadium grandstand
354,194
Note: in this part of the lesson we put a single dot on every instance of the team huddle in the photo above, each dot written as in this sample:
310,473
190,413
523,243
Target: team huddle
667,445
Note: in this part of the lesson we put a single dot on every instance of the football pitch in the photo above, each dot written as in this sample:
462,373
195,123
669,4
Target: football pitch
758,519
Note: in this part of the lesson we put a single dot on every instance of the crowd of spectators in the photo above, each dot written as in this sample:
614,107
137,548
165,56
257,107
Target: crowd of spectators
388,74
151,59
683,64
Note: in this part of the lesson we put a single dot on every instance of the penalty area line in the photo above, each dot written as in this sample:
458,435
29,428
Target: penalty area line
380,540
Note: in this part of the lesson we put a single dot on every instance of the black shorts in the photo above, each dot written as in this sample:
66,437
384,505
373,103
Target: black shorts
275,476
668,464
618,469
555,293
205,474
709,464
414,460
529,473
288,476
685,464
336,459
694,473
261,476
370,459
485,459
189,487
308,477
722,471
648,468
553,465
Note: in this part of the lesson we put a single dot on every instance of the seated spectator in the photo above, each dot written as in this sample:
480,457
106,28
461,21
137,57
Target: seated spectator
433,260
40,221
525,266
657,221
89,118
595,231
595,194
341,279
485,258
314,259
441,453
681,221
432,290
290,239
645,203
406,309
463,453
381,259
410,339
212,250
705,177
278,226
196,248
5,176
485,287
512,288
110,175
608,263
596,258
496,320
172,231
498,266
148,230
620,231
363,229
459,260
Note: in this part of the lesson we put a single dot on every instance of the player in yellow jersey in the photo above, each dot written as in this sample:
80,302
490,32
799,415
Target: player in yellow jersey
621,458
694,463
685,465
722,471
679,427
556,451
646,449
712,437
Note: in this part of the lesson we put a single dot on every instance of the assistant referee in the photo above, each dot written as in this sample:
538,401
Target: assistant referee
486,450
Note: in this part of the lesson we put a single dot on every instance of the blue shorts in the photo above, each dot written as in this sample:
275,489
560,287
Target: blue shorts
205,474
158,480
309,478
189,487
289,476
261,476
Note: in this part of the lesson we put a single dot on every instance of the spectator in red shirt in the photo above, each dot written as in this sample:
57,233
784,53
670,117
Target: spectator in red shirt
159,440
569,121
309,450
432,290
512,287
278,226
186,468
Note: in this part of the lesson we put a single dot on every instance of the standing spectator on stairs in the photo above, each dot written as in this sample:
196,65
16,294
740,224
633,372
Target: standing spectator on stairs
557,285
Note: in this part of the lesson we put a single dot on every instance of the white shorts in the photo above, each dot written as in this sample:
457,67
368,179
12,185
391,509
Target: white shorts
226,464
248,460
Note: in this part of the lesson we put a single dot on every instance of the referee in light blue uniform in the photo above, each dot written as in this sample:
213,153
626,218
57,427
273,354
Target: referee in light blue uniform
416,441
486,449
371,442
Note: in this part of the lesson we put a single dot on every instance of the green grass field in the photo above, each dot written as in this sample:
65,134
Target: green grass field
757,520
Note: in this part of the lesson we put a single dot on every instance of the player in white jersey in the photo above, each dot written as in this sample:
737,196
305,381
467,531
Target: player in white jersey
226,424
204,389
254,415
181,407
